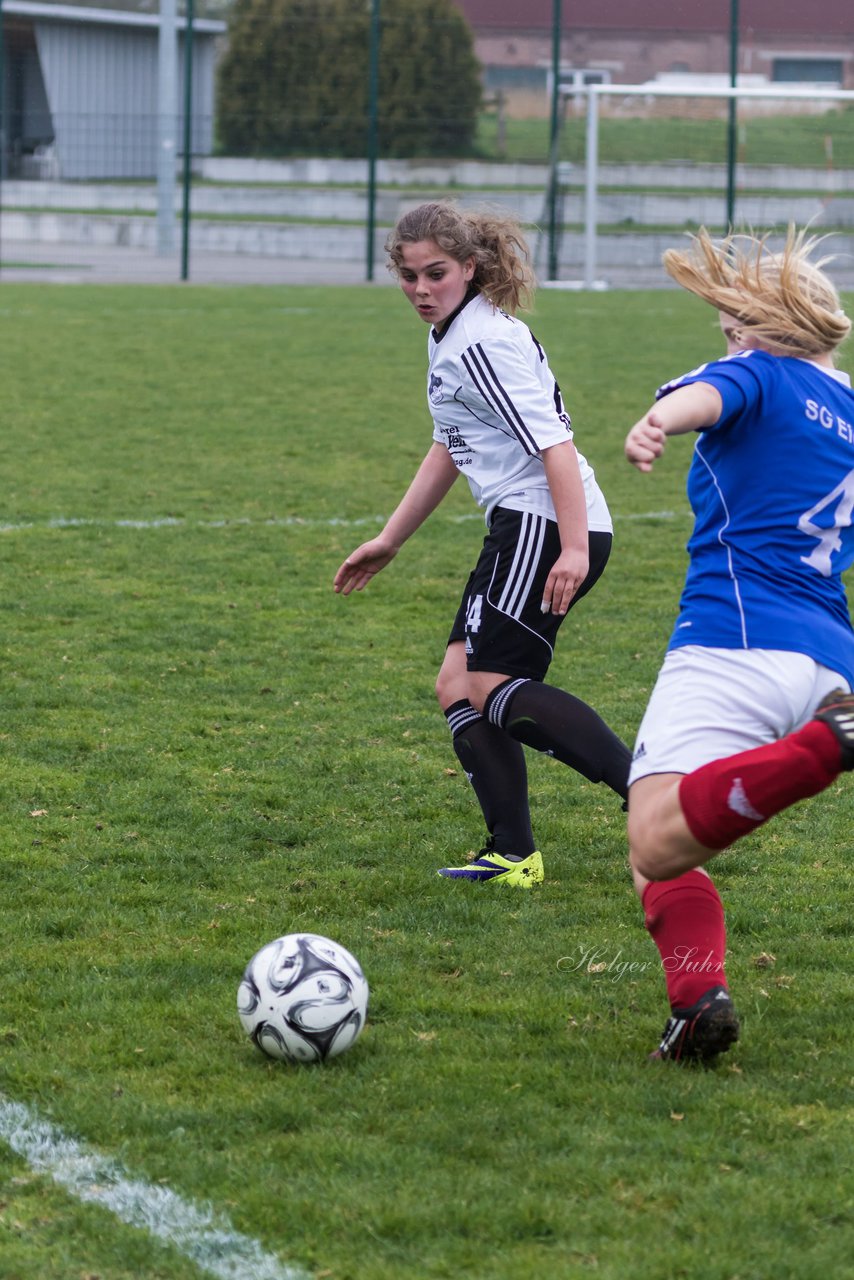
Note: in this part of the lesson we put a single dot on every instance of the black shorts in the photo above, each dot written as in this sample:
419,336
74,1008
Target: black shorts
499,617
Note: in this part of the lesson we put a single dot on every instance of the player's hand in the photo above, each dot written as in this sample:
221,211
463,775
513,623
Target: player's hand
645,441
363,564
567,574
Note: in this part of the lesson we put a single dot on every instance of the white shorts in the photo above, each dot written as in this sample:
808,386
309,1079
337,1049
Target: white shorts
711,703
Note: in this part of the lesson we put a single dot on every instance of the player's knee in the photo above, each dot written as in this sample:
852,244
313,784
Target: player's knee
640,882
642,831
644,867
449,688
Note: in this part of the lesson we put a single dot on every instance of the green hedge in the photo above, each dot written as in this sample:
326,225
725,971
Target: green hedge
294,79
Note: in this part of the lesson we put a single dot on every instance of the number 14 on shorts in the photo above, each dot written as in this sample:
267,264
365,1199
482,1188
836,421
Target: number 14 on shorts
474,614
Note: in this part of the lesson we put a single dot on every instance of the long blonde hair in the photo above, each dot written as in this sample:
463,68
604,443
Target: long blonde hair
503,272
782,300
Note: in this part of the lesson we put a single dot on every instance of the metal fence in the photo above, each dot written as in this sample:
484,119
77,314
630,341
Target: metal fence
617,174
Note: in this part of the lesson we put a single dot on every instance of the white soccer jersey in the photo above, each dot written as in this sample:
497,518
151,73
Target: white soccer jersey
495,405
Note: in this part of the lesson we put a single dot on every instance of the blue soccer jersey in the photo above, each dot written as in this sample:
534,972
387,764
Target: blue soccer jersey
771,485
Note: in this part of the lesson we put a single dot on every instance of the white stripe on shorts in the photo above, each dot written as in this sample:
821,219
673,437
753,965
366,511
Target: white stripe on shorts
526,558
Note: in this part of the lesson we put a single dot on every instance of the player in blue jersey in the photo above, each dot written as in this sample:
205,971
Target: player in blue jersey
752,710
499,419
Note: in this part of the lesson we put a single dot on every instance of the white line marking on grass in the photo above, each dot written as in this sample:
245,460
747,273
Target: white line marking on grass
276,522
208,1239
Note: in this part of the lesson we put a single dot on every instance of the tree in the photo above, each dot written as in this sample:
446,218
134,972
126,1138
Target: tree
294,79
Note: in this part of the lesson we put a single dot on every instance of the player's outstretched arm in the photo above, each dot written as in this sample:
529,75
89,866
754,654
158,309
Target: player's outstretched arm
688,408
430,484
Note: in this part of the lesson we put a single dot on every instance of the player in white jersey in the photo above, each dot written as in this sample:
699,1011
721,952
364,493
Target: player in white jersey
499,419
752,710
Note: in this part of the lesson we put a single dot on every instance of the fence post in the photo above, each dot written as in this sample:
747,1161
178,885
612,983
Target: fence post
188,140
2,116
591,177
2,93
554,140
732,117
373,131
167,95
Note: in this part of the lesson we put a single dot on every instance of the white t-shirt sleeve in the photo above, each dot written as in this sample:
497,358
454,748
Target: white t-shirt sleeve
504,381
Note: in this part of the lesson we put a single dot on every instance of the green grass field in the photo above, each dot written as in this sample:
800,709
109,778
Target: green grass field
825,139
204,748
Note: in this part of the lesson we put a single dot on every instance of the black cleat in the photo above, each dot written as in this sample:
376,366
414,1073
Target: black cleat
837,712
700,1033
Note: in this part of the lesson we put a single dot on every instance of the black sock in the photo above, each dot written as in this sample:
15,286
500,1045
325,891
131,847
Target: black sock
495,766
558,723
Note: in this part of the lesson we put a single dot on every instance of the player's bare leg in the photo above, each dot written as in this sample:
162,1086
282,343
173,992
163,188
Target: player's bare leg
660,840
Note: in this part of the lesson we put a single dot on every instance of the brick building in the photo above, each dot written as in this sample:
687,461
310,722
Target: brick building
637,41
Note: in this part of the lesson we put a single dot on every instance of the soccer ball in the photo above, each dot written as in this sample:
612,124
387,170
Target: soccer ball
303,998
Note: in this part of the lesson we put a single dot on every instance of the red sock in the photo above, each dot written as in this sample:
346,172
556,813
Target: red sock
726,799
685,917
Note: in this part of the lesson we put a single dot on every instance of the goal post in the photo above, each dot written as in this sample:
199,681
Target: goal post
705,200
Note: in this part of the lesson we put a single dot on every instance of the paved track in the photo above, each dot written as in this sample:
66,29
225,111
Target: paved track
91,264
83,264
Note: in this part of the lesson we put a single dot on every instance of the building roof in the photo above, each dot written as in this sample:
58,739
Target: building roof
830,19
123,13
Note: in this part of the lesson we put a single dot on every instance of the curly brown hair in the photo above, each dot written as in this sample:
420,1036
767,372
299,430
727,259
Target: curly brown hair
782,300
503,272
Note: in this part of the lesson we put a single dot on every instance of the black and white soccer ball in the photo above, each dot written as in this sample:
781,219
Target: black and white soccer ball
303,998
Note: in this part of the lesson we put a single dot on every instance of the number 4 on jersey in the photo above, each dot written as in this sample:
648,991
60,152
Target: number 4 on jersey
474,614
829,539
